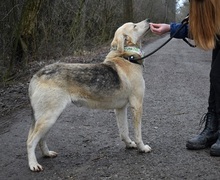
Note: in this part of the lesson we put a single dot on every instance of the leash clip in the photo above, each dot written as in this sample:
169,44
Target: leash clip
131,58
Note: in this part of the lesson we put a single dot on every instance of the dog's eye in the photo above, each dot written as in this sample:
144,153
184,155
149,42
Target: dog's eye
135,26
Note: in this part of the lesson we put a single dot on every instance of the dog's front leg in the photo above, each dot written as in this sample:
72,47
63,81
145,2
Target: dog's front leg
121,116
137,115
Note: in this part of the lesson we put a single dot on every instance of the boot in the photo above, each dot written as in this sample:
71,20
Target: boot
208,136
215,148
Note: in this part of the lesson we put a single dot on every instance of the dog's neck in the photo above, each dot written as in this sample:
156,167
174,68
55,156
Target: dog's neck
133,50
130,51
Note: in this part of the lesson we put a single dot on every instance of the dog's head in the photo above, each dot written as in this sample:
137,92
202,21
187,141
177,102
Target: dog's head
129,34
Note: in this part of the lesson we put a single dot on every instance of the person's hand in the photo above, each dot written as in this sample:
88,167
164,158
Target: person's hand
159,29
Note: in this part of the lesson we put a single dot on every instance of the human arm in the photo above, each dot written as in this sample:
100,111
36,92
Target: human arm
183,33
161,29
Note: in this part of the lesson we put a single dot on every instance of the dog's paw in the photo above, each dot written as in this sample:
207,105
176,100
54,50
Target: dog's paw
145,149
35,167
131,145
51,154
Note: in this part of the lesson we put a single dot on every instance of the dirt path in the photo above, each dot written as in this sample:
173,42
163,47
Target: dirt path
88,143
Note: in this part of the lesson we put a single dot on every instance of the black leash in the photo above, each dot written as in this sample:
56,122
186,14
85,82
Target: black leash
183,24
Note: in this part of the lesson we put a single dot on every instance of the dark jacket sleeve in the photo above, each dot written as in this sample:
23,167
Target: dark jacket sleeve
180,35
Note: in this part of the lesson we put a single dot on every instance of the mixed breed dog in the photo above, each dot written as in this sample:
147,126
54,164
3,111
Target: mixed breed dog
112,84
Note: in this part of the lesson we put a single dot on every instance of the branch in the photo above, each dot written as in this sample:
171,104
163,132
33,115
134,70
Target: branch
10,12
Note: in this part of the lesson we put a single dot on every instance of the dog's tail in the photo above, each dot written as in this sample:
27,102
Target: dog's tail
32,123
32,86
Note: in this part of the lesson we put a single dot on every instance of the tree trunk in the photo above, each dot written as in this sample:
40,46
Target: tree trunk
78,30
128,10
24,34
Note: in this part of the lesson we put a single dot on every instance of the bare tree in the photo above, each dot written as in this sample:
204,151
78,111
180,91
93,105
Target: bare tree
128,10
182,10
24,34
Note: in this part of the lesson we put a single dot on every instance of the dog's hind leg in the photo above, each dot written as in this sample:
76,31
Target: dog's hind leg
42,142
121,117
45,119
40,130
45,150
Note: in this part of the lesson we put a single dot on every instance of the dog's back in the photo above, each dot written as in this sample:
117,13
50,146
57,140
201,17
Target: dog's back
99,78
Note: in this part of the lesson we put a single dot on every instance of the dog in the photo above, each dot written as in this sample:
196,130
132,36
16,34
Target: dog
113,84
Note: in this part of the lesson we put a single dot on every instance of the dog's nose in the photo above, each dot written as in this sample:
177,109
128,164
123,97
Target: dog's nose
148,20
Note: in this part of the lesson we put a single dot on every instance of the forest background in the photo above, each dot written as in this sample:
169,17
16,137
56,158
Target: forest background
32,30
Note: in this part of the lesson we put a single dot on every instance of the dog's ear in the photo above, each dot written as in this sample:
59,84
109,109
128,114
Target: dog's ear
118,42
